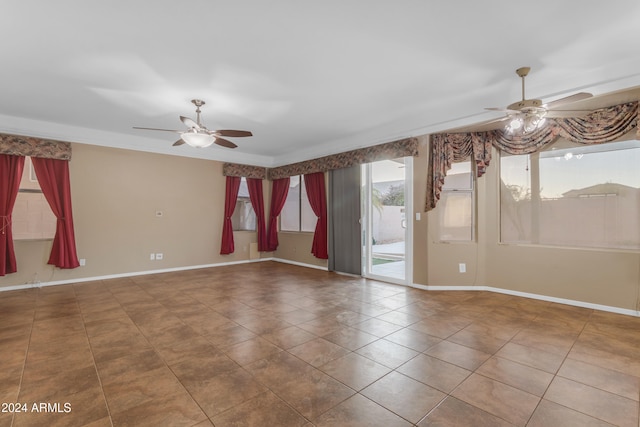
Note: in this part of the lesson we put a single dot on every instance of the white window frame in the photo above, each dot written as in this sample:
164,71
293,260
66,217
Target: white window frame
448,189
301,226
33,218
534,173
246,201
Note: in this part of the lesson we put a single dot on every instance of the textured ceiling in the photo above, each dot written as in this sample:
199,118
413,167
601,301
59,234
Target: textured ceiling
307,78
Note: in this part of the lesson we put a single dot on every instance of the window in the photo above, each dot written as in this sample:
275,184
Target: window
32,217
297,214
244,217
573,195
456,205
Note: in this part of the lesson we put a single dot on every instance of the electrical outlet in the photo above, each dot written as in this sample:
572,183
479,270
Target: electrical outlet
462,267
152,257
159,256
83,262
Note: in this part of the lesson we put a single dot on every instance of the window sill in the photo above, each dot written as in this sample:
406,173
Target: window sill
570,248
455,242
296,232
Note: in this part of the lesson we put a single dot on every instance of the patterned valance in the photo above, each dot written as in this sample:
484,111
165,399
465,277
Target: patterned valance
448,148
17,145
390,150
600,126
246,171
604,125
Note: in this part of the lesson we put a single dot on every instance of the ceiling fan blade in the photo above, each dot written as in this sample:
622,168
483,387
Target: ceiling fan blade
567,100
567,113
189,122
494,124
233,133
178,142
502,110
163,130
225,143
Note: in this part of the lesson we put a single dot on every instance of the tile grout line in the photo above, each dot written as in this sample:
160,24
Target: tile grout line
95,366
26,353
591,314
167,365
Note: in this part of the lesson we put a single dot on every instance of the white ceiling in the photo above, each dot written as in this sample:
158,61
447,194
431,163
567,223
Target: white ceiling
307,78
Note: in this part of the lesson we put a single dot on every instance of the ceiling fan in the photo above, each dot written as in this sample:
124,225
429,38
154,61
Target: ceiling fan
527,115
197,135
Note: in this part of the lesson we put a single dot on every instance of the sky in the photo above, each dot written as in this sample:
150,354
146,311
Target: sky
579,167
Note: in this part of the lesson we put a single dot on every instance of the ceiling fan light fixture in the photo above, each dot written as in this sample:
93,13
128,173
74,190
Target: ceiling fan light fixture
541,122
198,136
533,121
530,123
198,140
514,124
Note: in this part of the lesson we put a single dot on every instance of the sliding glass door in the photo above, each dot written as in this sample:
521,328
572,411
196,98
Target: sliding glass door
386,224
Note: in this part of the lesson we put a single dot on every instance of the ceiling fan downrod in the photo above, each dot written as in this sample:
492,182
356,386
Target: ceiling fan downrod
524,104
523,72
198,103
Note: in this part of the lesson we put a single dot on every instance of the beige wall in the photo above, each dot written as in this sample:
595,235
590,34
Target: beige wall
604,277
116,194
296,247
420,228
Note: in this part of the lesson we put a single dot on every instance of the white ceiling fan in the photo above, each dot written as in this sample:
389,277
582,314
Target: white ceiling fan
197,135
527,115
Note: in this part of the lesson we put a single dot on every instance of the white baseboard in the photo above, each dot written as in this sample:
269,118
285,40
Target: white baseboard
301,264
130,274
583,304
575,303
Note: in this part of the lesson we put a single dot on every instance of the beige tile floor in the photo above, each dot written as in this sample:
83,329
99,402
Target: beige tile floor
270,344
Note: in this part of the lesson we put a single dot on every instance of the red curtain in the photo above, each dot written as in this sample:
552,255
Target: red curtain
257,201
230,198
278,198
10,174
53,177
314,183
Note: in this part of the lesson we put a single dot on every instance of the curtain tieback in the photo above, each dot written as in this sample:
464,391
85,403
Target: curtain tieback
6,222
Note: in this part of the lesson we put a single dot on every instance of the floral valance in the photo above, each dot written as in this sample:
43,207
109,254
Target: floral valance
448,148
600,126
246,171
390,150
17,145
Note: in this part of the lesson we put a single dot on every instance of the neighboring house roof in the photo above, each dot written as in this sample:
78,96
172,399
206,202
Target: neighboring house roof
601,189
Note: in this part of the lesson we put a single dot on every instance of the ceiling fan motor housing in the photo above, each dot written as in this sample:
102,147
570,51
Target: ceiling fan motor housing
526,104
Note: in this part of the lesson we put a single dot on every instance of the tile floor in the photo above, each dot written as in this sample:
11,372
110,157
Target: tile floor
269,344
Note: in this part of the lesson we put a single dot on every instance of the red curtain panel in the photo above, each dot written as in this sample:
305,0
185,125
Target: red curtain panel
257,201
230,198
279,193
53,177
314,183
10,174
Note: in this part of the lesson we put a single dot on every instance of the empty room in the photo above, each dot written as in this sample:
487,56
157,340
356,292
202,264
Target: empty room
319,214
